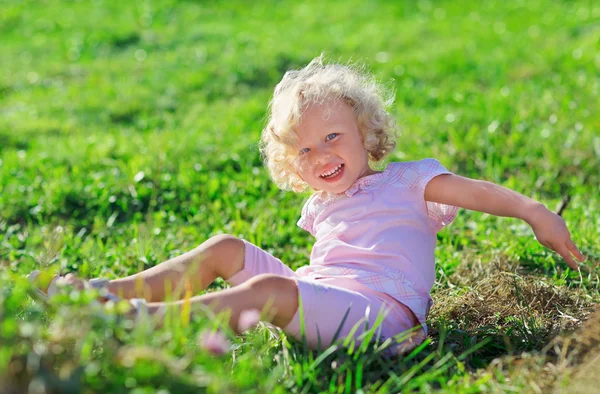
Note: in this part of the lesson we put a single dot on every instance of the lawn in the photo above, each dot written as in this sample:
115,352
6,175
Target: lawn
128,135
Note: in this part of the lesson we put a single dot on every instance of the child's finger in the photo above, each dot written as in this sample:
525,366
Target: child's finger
565,254
573,248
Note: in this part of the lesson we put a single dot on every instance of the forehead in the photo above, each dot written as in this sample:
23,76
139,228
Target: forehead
319,118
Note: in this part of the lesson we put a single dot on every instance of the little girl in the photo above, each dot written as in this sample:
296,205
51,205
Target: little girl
375,230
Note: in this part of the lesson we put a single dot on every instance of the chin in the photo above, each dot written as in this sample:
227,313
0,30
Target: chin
336,189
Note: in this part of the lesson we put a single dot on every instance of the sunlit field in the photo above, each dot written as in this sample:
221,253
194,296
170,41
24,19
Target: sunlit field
128,136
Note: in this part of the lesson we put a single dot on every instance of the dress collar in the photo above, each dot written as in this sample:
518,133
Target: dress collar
368,182
365,184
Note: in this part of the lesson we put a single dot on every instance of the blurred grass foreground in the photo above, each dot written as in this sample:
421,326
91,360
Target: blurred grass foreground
128,136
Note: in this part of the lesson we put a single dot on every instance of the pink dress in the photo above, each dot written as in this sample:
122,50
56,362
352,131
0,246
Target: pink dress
373,257
380,233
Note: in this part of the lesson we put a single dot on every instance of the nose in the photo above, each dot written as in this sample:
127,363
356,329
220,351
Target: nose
322,155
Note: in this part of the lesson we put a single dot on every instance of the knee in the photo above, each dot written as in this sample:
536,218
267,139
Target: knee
225,253
224,245
271,284
226,240
275,295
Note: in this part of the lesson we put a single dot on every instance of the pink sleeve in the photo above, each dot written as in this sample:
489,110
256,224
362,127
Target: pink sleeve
307,218
440,215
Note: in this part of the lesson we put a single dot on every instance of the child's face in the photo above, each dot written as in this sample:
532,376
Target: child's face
331,153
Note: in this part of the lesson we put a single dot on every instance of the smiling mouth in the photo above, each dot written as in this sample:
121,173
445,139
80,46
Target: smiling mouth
333,173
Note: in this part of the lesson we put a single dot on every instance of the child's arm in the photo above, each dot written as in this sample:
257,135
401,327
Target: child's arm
549,228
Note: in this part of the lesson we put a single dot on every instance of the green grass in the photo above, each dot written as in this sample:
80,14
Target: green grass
128,136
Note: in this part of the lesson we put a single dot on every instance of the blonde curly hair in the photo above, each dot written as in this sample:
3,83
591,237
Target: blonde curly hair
315,84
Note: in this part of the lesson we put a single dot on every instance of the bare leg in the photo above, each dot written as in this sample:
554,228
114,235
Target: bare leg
220,256
276,296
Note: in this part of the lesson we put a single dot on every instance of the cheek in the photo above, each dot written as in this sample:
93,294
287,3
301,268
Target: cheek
354,149
304,171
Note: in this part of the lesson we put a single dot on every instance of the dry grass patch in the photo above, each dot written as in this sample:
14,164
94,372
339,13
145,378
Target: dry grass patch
520,311
580,358
524,324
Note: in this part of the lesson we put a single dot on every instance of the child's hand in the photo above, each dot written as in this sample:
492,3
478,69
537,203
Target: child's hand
551,231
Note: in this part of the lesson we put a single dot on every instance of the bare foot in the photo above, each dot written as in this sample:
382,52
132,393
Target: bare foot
74,281
81,284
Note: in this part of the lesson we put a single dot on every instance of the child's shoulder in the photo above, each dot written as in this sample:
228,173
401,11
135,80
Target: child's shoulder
414,167
418,163
399,170
417,173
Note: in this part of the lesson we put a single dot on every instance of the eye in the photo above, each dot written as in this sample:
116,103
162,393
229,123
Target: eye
329,135
303,151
